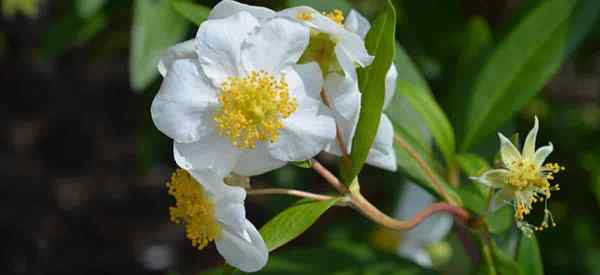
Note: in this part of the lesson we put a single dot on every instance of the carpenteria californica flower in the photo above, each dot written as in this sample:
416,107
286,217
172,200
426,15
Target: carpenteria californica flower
234,99
214,211
524,179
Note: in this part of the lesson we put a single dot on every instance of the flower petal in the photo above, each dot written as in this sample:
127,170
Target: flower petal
278,44
256,161
346,62
501,199
415,253
183,103
343,95
183,50
315,20
219,45
220,192
495,178
357,23
243,247
228,8
542,153
508,151
354,46
390,85
529,146
382,153
311,127
211,152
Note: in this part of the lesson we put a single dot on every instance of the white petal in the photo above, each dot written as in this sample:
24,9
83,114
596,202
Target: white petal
542,153
382,153
211,152
500,199
415,253
183,50
311,127
508,151
344,99
390,85
345,62
243,247
529,146
495,178
256,161
219,44
317,20
228,8
219,191
229,209
278,44
357,23
354,46
184,103
412,200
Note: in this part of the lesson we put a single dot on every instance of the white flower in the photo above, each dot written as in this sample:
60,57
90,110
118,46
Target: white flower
214,211
414,242
234,98
523,180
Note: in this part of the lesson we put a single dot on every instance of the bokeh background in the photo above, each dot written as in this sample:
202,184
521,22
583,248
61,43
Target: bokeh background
84,170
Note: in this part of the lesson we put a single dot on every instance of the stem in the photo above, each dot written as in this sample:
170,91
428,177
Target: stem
428,171
330,177
291,192
367,209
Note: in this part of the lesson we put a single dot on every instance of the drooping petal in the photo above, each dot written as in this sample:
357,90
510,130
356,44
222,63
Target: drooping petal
220,192
279,43
495,178
343,98
183,50
184,103
354,46
228,8
228,210
390,85
219,44
311,18
508,151
542,153
529,146
243,247
210,152
501,199
357,23
382,153
311,127
345,62
415,253
256,161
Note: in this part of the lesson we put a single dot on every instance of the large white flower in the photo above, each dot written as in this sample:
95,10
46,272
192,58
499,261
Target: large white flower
214,211
414,243
524,179
234,98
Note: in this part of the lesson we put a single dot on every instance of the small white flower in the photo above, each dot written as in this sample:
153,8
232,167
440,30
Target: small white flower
524,179
214,211
414,243
234,98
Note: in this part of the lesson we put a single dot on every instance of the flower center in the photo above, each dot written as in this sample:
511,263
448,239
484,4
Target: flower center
304,16
523,173
336,15
252,109
194,208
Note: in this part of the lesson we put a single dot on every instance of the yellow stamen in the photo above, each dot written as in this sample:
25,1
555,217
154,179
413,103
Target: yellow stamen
336,15
194,208
304,16
252,109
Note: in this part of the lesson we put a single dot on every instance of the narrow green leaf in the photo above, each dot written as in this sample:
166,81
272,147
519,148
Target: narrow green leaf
433,115
584,18
471,164
529,257
473,197
500,220
155,28
87,8
518,68
191,11
293,221
302,164
495,262
380,42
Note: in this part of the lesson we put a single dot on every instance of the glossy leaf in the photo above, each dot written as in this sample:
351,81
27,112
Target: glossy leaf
191,11
155,28
293,221
87,8
529,257
380,42
471,164
517,69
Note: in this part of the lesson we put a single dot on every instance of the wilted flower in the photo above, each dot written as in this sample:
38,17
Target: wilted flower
234,99
524,179
214,211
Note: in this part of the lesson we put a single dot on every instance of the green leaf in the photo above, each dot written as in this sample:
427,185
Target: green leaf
500,220
155,28
584,18
71,31
517,69
293,221
495,262
191,11
473,197
87,8
529,257
302,164
433,116
471,164
380,42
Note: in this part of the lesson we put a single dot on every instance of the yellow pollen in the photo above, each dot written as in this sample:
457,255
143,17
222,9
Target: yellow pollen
194,208
252,109
304,16
336,15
